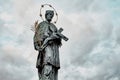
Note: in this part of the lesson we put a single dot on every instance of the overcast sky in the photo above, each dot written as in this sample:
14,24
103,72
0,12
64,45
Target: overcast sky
93,29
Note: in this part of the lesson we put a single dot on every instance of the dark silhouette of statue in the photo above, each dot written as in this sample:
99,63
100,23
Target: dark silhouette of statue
47,40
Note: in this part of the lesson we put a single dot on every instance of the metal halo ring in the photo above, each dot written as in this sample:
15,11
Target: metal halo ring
52,8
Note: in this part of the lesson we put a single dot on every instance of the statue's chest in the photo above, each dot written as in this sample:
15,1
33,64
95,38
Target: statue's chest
49,28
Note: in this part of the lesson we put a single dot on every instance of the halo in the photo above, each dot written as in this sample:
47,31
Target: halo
42,6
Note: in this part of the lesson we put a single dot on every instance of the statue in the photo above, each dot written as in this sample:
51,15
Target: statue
47,40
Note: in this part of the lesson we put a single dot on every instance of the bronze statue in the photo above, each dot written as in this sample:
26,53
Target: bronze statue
47,40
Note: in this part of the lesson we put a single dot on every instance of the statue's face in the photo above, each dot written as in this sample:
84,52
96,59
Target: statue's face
49,15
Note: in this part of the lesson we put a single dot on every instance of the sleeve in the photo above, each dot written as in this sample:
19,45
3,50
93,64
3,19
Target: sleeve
54,37
44,31
35,38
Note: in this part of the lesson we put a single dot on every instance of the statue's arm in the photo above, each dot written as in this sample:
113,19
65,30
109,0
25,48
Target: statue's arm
54,32
36,46
37,39
53,36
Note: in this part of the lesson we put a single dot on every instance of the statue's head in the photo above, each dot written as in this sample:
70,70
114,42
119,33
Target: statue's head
49,15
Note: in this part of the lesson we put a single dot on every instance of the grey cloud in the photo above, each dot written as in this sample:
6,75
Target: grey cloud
117,32
87,38
75,5
1,28
107,71
86,32
81,44
14,67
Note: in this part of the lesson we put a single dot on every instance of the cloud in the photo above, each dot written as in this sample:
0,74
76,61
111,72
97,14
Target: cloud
5,17
85,34
13,65
92,52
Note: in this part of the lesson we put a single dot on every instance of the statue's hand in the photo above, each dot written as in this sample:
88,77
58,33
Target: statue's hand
36,46
54,36
40,49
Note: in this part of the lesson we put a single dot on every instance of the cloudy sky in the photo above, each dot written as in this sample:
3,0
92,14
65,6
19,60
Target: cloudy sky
93,29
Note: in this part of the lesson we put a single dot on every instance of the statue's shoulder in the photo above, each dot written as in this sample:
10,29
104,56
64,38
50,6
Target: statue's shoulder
42,23
53,27
53,24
